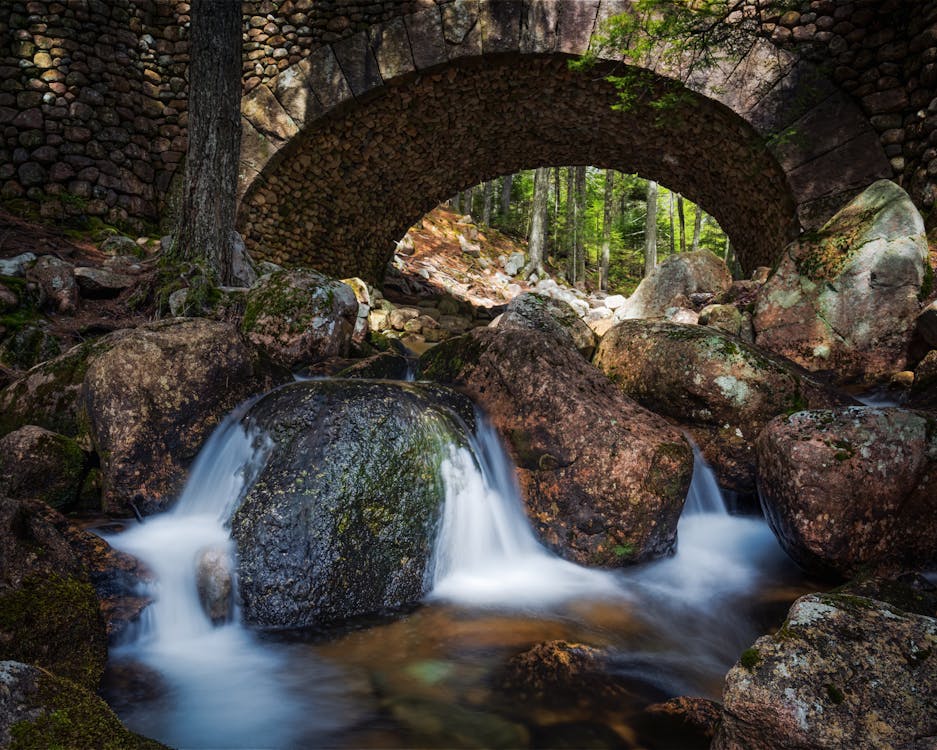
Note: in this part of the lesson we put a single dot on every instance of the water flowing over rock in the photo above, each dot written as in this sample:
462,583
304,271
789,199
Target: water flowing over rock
846,298
603,479
682,274
300,317
40,709
724,390
852,490
555,317
340,521
36,463
842,672
152,396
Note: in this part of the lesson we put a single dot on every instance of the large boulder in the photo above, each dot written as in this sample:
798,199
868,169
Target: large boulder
852,490
678,276
845,298
41,710
720,388
542,313
842,672
603,479
340,522
36,463
153,396
300,317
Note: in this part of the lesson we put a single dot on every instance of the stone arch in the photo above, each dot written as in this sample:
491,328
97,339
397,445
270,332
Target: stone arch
350,146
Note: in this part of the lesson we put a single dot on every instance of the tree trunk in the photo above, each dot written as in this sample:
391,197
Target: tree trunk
697,228
538,225
731,260
468,198
455,203
486,208
506,197
205,233
673,230
607,228
682,218
650,229
571,225
580,224
556,209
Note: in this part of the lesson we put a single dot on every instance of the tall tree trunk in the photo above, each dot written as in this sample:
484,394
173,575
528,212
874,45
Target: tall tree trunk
571,225
468,198
556,209
730,259
650,229
682,217
538,225
607,228
506,197
455,203
206,222
697,228
580,224
486,207
673,230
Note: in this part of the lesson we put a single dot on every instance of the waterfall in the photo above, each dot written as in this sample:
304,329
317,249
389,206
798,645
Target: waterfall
486,553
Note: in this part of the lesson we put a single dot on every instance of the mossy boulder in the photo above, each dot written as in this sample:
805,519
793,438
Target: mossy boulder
845,299
842,671
40,710
152,396
924,387
36,463
340,522
28,345
852,490
548,315
299,317
717,386
603,479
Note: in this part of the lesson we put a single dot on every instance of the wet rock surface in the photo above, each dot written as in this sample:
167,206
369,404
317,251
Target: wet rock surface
603,479
842,671
852,490
846,298
724,390
340,522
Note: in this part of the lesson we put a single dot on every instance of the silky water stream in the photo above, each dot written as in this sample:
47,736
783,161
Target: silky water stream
427,678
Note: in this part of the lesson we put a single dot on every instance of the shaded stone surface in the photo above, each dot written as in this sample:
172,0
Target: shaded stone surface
679,275
724,390
842,671
603,479
552,316
852,490
38,464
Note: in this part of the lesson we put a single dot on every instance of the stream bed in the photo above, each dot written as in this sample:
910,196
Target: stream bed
430,677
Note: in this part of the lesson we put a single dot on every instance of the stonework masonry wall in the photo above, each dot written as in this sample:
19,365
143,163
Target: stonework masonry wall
93,92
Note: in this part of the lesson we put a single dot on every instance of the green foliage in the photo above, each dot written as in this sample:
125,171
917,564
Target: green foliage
750,659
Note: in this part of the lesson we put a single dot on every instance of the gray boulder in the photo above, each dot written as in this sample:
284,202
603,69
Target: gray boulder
555,317
340,521
845,298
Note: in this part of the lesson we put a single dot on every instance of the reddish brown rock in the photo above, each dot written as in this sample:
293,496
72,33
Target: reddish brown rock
604,480
852,490
722,389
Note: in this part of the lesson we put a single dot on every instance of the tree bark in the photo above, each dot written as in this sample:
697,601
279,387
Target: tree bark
607,228
506,197
571,224
697,228
650,229
455,203
681,215
206,233
673,230
486,207
580,222
556,209
468,199
538,224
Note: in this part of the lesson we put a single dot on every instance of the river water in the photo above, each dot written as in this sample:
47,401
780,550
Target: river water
427,678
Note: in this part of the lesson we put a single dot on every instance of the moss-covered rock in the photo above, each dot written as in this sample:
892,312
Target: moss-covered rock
852,490
552,316
300,317
603,479
845,299
40,710
28,345
340,521
36,463
843,671
722,389
152,396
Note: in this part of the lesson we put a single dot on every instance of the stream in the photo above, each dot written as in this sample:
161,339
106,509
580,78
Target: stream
425,678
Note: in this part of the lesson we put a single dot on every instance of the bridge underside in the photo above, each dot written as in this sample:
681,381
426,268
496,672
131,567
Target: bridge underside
345,188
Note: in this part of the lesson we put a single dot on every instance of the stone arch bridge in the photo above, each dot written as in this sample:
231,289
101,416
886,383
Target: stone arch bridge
348,147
